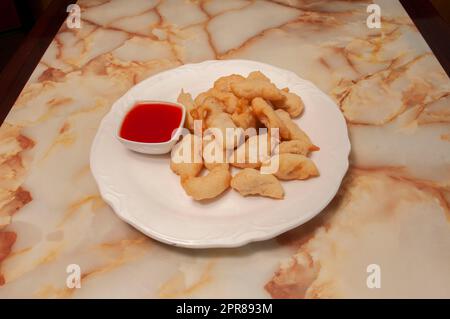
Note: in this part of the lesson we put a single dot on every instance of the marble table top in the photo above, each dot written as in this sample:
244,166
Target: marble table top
390,219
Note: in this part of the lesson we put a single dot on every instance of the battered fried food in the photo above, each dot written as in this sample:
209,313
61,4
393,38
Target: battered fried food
209,106
224,83
211,165
214,118
295,132
186,158
258,75
292,103
243,115
252,88
253,152
265,113
294,147
186,100
214,155
249,181
209,186
234,104
221,122
294,166
244,119
228,99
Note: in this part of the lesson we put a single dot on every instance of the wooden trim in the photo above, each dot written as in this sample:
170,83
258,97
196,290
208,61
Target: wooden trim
17,72
433,27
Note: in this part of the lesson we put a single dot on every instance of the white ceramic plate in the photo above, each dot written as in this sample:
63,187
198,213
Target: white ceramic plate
144,192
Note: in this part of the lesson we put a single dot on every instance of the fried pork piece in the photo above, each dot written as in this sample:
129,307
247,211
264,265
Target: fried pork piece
293,166
244,119
209,186
186,157
224,83
214,119
265,113
240,103
249,181
258,75
214,155
255,150
188,102
243,115
295,132
294,147
211,112
292,103
252,88
209,106
221,122
228,99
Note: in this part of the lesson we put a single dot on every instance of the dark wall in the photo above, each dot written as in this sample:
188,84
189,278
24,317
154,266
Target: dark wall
17,17
443,7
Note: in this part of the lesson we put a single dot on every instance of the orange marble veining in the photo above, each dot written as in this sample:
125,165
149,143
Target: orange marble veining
12,196
7,240
323,265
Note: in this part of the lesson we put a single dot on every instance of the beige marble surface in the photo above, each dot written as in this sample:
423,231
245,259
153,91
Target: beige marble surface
392,209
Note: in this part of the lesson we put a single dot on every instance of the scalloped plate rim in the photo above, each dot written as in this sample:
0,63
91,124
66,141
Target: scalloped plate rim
244,238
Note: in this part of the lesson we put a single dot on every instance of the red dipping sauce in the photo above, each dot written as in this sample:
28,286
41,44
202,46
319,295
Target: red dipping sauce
151,122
